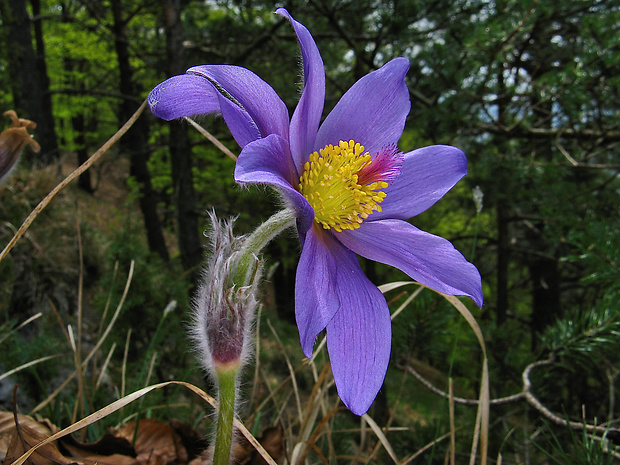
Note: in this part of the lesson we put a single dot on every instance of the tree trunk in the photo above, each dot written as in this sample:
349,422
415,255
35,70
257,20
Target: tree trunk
543,264
84,181
77,117
28,89
545,277
503,261
135,142
502,217
180,151
45,130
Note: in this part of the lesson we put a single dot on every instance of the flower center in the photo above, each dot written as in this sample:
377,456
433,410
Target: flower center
344,184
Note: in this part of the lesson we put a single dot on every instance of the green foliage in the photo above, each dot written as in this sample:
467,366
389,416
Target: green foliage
430,331
597,246
588,337
586,340
155,284
19,347
582,449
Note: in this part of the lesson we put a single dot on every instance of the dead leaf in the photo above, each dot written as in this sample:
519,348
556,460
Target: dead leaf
24,438
155,443
109,444
193,442
112,459
272,440
7,424
109,450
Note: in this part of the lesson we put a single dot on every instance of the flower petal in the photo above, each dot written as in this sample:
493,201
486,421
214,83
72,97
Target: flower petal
316,299
307,115
254,95
372,112
268,161
191,95
359,337
183,95
430,260
425,176
240,124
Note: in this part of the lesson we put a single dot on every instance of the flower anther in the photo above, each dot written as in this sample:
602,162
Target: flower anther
344,184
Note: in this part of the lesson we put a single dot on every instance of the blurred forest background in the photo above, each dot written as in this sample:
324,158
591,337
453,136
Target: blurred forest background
528,89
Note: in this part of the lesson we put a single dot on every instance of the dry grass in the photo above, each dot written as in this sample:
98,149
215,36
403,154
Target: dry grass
309,418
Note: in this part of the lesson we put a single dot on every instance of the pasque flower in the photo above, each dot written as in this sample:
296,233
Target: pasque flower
353,192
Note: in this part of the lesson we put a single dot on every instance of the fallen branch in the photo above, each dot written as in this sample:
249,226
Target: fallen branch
530,398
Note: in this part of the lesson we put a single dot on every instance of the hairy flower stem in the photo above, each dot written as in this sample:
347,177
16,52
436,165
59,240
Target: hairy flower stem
225,416
218,325
245,265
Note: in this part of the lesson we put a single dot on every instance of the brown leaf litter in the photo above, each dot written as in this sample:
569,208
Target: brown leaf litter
151,443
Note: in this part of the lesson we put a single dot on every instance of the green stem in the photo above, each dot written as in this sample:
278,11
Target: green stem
225,417
246,263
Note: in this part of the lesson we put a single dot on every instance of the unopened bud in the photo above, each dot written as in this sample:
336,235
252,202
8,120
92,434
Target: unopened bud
224,310
12,143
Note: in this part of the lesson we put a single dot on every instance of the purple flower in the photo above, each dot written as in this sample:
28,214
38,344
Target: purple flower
353,192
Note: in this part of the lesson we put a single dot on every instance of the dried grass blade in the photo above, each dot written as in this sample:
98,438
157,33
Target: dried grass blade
116,313
452,427
20,326
90,419
104,368
214,140
124,401
407,302
124,366
99,342
291,372
481,431
29,364
313,405
384,440
395,285
419,452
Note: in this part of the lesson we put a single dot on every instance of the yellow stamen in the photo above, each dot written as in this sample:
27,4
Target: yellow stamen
330,184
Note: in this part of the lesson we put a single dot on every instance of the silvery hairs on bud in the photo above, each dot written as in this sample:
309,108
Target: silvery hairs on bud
224,311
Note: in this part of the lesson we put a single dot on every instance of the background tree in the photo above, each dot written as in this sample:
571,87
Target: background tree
180,148
28,73
136,141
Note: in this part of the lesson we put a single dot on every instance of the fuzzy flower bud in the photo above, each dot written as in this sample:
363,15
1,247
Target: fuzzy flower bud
224,310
